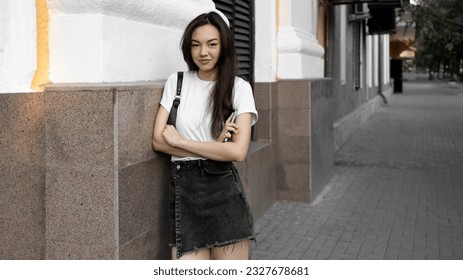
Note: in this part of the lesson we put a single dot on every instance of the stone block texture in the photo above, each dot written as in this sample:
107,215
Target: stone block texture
80,180
22,176
105,187
305,138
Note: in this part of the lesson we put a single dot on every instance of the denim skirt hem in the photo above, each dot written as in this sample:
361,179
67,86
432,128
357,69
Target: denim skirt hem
215,245
207,206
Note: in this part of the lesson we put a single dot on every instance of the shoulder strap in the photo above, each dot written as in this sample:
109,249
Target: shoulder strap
179,89
179,84
173,111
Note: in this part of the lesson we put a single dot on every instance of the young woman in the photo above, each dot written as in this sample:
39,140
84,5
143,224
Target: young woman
209,214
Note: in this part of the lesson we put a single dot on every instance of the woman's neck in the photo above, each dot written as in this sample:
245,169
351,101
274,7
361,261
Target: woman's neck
207,76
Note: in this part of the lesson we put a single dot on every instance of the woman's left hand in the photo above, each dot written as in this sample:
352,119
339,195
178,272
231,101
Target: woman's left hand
229,129
171,135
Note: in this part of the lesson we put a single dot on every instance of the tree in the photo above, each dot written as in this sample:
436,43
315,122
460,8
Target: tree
439,25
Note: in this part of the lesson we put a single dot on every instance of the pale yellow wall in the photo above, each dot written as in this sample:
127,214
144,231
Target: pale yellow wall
41,74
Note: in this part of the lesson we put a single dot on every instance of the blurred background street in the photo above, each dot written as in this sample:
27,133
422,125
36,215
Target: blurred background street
397,192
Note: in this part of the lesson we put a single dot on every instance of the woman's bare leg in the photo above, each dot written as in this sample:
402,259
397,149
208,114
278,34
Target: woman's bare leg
204,254
237,251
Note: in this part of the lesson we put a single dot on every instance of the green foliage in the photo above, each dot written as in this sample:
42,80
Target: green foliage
439,26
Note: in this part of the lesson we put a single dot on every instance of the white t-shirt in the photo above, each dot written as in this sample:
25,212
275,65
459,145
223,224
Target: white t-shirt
193,113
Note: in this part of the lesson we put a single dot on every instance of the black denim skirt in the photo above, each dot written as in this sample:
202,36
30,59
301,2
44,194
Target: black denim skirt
207,206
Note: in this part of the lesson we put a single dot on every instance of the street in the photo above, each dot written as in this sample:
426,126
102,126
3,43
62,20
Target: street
397,192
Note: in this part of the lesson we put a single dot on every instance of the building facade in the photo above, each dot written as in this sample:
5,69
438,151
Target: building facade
80,85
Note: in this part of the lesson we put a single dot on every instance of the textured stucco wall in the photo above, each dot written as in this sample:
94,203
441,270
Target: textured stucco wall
118,41
265,56
169,13
91,40
17,45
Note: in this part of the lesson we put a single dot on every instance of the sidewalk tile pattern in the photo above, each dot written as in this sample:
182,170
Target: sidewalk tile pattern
397,192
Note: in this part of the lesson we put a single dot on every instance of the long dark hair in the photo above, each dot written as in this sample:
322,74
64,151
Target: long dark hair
220,102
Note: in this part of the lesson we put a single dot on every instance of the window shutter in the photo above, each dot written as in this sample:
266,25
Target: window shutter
356,55
240,14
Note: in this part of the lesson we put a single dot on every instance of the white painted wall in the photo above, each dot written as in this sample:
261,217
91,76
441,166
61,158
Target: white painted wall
265,66
342,41
299,54
375,60
158,12
133,40
370,65
118,41
18,47
386,57
109,49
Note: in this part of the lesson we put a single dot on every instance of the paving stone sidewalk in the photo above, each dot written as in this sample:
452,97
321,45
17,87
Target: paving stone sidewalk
397,192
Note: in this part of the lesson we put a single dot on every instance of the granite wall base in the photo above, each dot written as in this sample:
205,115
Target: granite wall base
346,126
105,188
22,176
104,132
305,147
80,179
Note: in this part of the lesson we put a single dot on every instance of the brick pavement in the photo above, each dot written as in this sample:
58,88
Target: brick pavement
397,192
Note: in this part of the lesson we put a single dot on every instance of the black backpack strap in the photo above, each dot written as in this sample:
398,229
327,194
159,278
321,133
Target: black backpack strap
173,111
179,84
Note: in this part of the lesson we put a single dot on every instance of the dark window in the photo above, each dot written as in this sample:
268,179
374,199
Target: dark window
390,3
382,20
240,13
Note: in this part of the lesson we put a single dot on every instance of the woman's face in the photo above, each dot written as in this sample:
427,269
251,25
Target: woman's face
205,50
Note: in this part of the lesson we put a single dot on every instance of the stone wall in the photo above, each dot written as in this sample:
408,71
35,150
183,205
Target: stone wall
262,160
305,147
79,178
106,188
22,176
346,126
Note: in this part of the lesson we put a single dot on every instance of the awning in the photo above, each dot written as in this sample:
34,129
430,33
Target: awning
386,3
